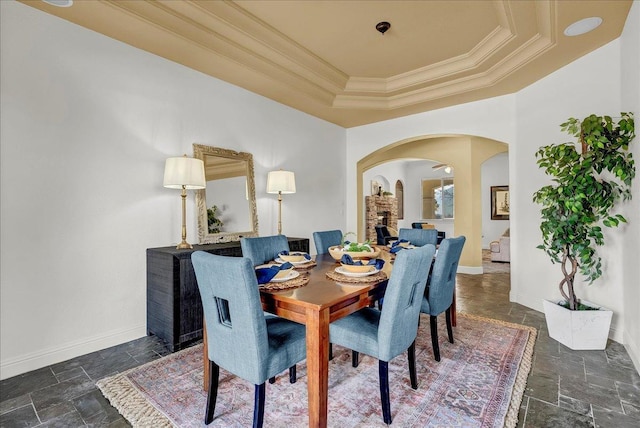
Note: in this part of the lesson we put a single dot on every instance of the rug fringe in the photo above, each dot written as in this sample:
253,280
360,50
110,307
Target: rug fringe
130,403
511,418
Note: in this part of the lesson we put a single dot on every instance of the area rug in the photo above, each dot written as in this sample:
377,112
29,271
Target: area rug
479,382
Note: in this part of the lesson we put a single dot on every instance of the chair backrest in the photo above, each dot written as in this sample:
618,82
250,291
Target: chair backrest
419,237
443,277
326,239
263,249
402,300
236,327
381,233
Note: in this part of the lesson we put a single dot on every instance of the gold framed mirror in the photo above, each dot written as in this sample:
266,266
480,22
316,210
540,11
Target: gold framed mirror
227,206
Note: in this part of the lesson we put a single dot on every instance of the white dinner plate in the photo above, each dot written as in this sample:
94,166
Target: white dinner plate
291,275
345,272
279,260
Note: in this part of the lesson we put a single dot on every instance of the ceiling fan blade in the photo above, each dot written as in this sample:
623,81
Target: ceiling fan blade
440,165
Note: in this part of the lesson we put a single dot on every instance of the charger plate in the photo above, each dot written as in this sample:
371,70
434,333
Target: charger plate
380,276
298,281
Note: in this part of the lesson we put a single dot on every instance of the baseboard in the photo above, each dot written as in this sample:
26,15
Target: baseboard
633,348
473,270
36,360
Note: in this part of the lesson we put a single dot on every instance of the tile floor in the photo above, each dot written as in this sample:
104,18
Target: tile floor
565,388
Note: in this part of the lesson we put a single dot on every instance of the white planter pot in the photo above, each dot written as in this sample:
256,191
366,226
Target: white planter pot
578,330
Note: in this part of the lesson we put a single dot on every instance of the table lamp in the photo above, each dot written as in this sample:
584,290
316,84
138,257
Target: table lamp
184,173
281,182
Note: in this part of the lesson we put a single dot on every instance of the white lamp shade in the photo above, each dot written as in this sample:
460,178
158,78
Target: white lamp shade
281,181
184,171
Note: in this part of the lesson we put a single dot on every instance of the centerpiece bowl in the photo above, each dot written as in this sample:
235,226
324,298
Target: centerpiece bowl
338,251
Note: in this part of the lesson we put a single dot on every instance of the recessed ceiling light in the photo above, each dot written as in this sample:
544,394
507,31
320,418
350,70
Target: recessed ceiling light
583,26
59,3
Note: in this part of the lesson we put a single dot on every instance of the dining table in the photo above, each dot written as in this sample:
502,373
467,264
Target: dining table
317,304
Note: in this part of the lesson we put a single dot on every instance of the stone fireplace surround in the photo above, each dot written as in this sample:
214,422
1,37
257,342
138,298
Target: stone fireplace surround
375,206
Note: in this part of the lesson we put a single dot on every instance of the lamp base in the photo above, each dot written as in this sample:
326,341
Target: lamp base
184,245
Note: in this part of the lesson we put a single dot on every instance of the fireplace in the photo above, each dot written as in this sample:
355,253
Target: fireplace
380,210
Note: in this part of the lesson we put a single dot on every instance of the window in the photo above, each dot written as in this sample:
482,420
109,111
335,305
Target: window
437,198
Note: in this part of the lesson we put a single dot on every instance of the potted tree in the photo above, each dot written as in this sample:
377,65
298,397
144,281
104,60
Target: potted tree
589,179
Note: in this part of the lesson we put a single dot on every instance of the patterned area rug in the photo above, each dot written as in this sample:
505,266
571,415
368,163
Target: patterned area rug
479,382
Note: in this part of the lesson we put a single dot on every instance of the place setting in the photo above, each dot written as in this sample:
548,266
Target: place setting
299,259
280,276
358,270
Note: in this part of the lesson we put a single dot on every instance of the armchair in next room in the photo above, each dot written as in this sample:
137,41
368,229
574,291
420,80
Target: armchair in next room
500,249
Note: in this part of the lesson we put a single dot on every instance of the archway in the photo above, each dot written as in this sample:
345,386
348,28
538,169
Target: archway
465,154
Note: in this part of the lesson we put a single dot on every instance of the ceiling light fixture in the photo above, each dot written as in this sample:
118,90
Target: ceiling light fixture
59,3
583,26
383,26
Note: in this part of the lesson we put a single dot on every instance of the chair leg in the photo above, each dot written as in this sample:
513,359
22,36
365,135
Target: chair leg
434,337
292,374
354,359
411,354
272,380
330,351
258,408
449,329
383,371
212,394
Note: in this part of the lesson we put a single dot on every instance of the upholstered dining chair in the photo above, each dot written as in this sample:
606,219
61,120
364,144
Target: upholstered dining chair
241,338
383,236
419,237
263,249
386,333
326,239
438,296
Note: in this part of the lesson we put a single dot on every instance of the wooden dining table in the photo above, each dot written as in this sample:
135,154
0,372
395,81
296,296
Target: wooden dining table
316,305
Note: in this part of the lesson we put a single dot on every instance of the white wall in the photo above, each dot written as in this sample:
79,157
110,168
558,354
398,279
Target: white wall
630,101
86,125
526,120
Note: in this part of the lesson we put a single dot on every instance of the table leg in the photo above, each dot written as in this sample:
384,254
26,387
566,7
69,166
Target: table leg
454,322
317,323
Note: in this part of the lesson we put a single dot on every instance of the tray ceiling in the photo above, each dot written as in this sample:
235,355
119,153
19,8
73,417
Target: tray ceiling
327,59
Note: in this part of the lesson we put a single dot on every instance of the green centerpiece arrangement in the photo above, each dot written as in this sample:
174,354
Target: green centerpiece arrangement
356,250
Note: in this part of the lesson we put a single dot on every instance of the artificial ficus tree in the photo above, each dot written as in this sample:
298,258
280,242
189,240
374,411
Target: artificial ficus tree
588,181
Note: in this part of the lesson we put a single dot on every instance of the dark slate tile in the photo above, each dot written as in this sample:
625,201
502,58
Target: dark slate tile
543,387
25,383
22,417
606,418
93,406
574,405
617,354
15,403
117,364
146,356
613,371
545,415
631,410
69,420
522,413
64,391
601,381
596,395
70,374
56,410
629,393
550,365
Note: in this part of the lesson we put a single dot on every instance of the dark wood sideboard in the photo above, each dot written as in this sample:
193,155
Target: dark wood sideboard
174,309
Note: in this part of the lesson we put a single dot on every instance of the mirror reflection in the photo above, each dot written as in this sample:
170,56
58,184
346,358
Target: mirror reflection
227,207
437,198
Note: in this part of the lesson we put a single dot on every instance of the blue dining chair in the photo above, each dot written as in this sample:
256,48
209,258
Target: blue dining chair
386,333
419,237
326,239
241,338
263,249
438,296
